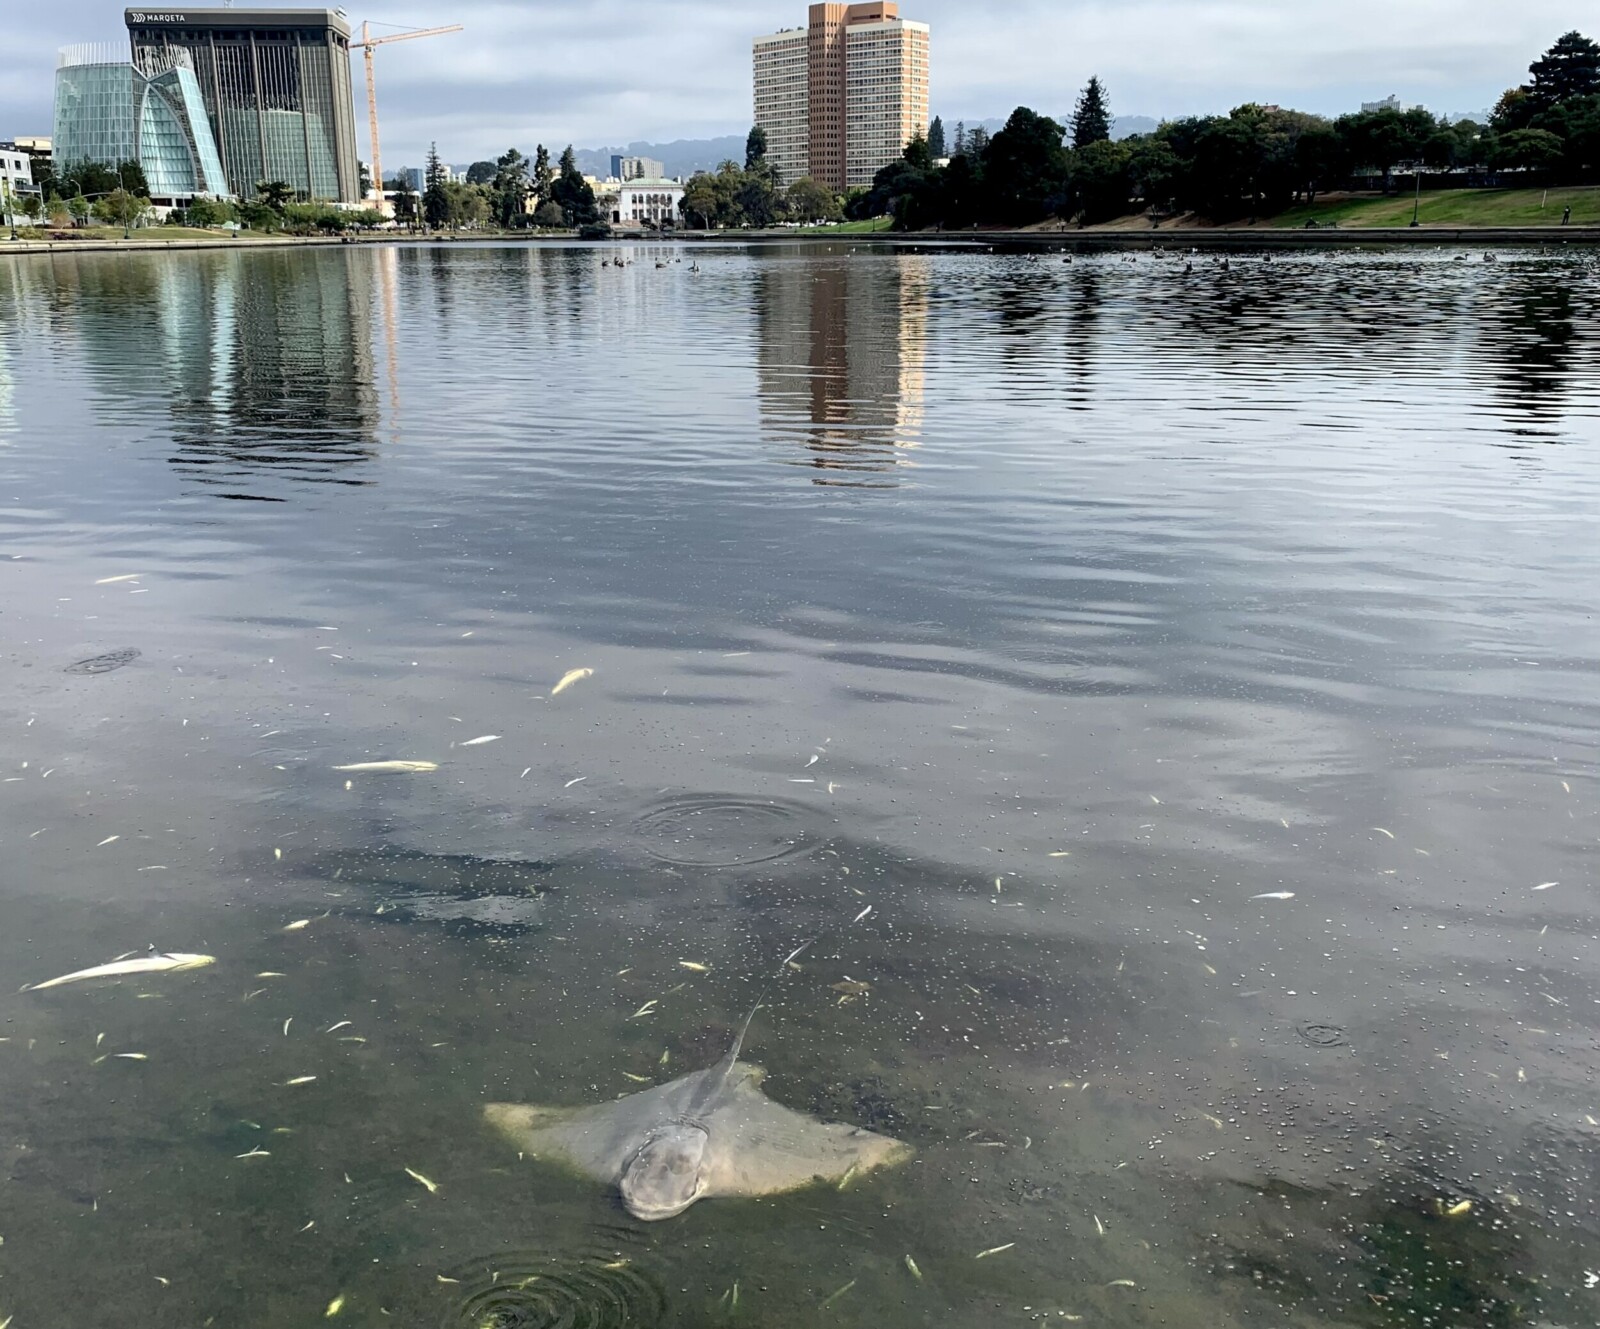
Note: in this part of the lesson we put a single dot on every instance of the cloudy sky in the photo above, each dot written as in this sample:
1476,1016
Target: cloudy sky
608,72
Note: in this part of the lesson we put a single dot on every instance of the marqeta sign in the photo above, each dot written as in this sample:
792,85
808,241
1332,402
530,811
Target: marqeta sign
139,16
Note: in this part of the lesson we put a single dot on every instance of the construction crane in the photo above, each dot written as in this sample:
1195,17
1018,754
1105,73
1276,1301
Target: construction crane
365,45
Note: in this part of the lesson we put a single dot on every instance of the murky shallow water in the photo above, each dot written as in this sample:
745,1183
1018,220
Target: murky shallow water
1106,599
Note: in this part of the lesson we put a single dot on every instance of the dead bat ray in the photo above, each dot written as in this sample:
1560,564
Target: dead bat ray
710,1133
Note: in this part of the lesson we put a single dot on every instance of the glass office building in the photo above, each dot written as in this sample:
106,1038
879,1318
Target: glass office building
106,111
276,88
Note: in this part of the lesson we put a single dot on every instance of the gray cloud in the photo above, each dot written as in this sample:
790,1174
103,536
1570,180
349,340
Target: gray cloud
613,71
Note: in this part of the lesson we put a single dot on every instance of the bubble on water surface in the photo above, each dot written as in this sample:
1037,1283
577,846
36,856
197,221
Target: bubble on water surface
1322,1035
536,1290
726,830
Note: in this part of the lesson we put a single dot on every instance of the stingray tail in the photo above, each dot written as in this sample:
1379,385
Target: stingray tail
790,958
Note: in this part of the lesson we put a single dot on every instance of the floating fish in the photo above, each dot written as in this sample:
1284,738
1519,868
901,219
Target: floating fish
334,1307
1546,885
1274,895
569,678
391,767
993,1250
433,1186
112,581
479,741
153,963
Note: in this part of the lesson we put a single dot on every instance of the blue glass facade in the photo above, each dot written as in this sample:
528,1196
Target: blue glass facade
108,112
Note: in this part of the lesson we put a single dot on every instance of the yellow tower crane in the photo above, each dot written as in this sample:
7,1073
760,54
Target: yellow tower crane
365,45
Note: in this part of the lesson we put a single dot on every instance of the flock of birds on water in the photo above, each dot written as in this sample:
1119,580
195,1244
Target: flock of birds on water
1223,263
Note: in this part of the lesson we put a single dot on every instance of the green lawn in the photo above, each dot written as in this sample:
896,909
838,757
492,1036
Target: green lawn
848,228
1454,207
153,234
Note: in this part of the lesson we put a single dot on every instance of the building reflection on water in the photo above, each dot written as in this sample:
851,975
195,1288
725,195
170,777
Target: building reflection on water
270,369
841,364
262,363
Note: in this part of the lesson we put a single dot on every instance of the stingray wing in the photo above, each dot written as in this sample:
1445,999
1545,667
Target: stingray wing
762,1148
597,1141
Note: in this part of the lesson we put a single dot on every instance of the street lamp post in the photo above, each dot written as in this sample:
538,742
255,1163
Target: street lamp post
1416,208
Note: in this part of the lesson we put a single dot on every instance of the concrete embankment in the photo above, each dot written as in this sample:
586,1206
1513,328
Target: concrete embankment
1219,237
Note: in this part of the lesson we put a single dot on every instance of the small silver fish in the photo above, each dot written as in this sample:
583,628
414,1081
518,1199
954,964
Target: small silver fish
1274,895
391,767
479,741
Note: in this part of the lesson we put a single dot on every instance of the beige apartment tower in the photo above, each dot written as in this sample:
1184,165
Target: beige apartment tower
842,96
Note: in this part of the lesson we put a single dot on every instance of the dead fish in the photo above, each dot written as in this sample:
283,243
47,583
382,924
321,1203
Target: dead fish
993,1250
299,1079
154,963
569,678
334,1307
1546,885
433,1186
693,966
479,741
112,581
391,767
1274,895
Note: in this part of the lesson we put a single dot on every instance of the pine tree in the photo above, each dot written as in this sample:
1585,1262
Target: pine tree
573,193
1091,122
543,176
435,198
936,139
1568,70
755,149
961,139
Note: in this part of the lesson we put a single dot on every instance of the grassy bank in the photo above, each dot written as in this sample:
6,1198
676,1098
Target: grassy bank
1451,207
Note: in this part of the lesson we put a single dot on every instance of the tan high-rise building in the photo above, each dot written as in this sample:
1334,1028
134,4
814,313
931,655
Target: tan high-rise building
842,96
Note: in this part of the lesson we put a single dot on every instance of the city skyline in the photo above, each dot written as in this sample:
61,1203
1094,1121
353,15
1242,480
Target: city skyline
623,72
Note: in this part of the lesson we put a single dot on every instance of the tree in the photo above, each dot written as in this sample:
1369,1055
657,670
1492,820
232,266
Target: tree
543,177
918,153
755,149
1025,166
510,188
936,148
1320,159
1091,122
1513,111
961,139
78,209
701,203
365,174
809,201
122,208
33,207
480,173
435,201
1568,70
1529,150
1100,184
130,176
572,193
274,195
977,142
550,216
208,212
1153,172
406,208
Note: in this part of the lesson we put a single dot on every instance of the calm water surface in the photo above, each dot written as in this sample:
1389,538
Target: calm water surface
1069,615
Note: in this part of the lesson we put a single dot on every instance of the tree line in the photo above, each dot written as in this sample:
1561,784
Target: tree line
512,192
1254,161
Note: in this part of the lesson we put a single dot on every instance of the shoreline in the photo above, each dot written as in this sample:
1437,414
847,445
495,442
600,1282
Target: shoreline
1189,237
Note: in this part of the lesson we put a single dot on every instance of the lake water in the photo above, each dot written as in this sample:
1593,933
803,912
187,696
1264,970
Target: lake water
1066,614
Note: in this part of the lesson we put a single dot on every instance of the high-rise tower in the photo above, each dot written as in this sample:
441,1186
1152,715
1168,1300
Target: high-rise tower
842,96
276,89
